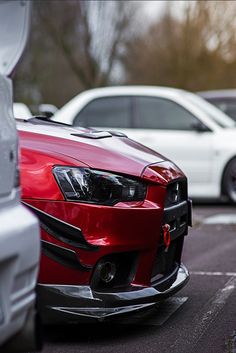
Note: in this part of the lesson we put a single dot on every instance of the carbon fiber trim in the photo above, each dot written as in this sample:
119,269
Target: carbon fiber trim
61,230
74,304
64,256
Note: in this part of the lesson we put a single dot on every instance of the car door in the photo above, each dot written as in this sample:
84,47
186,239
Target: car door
169,128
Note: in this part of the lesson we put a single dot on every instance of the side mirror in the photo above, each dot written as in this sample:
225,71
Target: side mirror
198,126
47,109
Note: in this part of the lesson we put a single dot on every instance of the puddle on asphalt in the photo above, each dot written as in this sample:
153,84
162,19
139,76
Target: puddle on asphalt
221,219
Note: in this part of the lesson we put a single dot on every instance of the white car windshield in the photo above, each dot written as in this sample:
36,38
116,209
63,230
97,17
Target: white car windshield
214,113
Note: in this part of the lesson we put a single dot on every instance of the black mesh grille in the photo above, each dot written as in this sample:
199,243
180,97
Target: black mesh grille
166,262
176,215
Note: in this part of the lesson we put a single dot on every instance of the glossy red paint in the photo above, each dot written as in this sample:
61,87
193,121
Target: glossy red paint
117,154
124,227
113,228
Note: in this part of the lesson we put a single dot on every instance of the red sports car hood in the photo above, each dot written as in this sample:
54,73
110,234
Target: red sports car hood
98,150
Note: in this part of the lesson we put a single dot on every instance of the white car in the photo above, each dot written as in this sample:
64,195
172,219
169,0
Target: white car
197,136
21,111
19,231
47,110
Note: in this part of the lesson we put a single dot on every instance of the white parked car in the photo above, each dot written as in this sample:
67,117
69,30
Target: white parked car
197,136
21,111
19,230
47,110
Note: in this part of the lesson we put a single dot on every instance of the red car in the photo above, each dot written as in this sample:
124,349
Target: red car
113,218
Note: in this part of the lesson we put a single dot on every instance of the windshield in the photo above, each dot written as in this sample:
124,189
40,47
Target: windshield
220,118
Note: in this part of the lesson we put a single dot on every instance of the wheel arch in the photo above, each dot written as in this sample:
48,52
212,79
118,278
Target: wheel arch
222,191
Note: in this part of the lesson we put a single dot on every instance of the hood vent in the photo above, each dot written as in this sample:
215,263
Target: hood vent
99,134
93,134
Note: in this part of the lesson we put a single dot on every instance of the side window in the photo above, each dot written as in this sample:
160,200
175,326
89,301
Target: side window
161,113
106,112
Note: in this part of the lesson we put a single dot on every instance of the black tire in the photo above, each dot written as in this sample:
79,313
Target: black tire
229,181
28,339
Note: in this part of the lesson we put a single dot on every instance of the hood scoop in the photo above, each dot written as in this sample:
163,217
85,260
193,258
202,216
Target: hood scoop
117,133
93,134
99,134
83,132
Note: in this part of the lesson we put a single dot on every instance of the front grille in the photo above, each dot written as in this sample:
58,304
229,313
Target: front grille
176,214
166,262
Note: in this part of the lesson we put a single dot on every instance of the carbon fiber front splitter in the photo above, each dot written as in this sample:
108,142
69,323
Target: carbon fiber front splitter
72,304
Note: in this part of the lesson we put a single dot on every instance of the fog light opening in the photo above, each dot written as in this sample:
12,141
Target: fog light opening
107,271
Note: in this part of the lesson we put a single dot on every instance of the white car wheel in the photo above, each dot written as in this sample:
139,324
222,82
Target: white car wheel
229,181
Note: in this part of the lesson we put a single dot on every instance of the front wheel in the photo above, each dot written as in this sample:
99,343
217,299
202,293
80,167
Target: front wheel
229,181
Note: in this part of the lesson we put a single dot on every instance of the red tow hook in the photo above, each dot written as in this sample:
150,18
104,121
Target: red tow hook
166,236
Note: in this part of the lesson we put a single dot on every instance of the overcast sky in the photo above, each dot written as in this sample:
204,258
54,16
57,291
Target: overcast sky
155,9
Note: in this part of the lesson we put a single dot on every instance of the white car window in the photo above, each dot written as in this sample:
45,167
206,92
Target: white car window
106,112
161,113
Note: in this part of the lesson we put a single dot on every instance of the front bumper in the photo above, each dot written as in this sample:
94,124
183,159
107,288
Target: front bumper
65,303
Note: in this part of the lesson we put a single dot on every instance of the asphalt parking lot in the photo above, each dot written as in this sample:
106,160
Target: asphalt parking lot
200,319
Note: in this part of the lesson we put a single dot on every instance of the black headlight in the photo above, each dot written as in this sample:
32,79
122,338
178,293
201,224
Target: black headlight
94,186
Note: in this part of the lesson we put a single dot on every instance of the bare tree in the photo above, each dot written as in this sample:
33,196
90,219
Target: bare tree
79,41
195,51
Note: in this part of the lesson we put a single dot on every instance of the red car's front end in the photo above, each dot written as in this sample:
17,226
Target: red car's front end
113,217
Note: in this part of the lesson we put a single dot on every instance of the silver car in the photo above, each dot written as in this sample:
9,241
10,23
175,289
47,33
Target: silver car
19,230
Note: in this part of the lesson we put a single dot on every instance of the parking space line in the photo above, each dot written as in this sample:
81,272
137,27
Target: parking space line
210,312
209,273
